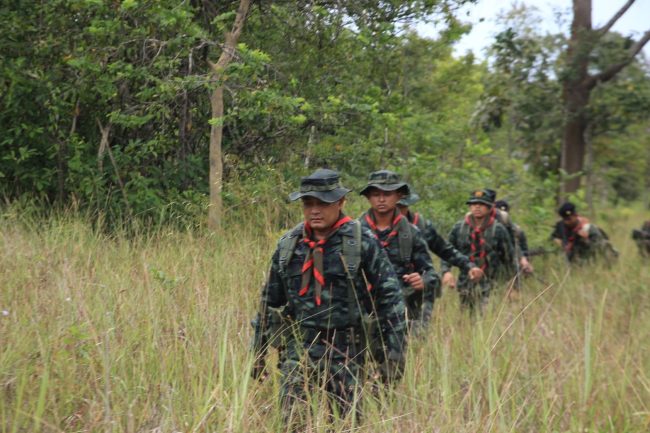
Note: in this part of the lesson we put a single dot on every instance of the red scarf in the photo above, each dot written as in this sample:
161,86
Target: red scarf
477,246
573,234
393,232
416,218
314,259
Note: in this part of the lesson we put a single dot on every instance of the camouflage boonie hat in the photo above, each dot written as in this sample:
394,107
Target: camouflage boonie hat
385,180
323,184
482,196
409,200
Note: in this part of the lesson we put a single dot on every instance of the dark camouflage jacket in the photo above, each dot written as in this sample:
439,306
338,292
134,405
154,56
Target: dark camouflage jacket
438,245
418,260
375,289
499,248
581,248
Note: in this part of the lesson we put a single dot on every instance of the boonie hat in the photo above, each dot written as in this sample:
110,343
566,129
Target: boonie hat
323,184
385,180
483,196
409,200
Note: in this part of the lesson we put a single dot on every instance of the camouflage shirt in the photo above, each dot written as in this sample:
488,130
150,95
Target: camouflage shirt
418,259
498,246
583,242
438,245
375,288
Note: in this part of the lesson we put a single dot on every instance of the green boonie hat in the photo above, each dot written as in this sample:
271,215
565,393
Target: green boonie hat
385,180
323,184
484,196
409,200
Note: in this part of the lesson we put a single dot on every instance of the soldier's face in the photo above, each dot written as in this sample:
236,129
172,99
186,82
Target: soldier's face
383,202
479,210
319,214
570,220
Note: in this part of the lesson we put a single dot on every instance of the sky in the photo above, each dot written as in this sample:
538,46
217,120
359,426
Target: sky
634,23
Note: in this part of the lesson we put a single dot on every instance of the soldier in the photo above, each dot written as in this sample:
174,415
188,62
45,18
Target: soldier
642,239
403,243
487,244
520,240
437,244
579,238
329,281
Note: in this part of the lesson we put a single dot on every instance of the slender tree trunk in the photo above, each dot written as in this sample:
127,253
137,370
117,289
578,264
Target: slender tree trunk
216,102
575,97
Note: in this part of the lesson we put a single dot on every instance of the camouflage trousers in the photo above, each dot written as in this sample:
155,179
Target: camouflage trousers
321,366
473,296
418,312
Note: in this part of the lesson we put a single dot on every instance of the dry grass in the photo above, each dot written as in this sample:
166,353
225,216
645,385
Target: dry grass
151,334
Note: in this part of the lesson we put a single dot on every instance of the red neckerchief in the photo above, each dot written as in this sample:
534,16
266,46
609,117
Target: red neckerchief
314,259
573,233
478,241
393,232
416,218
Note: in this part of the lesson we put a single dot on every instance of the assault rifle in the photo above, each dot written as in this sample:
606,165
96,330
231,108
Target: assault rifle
541,251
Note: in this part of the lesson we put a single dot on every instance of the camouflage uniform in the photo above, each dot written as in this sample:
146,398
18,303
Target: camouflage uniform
419,303
435,242
584,241
642,239
498,252
321,334
407,252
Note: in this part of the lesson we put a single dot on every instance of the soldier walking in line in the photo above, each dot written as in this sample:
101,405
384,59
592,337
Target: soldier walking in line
581,240
329,281
403,243
520,241
487,244
642,239
438,245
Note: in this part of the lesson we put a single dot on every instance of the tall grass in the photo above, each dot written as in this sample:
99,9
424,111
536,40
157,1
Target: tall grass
150,332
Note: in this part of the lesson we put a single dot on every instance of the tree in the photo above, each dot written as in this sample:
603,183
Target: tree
578,83
216,102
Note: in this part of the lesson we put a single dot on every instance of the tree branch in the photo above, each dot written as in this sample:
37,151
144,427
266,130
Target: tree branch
611,72
601,31
231,38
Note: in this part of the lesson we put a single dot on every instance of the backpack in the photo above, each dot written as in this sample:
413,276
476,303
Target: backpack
405,239
351,258
351,248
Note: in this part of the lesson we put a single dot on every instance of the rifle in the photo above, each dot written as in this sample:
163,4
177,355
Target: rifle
541,251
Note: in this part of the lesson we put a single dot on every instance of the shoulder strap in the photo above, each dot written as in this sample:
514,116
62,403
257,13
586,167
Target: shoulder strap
286,247
405,240
352,248
463,234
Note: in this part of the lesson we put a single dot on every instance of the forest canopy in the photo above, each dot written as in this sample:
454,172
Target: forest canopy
106,105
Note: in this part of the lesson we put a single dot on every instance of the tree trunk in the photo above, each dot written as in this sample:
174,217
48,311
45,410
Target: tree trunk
216,102
575,97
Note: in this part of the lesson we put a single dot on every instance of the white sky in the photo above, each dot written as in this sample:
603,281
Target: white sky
634,23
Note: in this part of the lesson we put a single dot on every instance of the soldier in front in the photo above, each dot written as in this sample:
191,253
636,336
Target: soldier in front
329,282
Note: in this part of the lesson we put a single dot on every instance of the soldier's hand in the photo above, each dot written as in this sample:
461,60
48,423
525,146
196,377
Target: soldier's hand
449,280
414,280
525,266
475,274
258,371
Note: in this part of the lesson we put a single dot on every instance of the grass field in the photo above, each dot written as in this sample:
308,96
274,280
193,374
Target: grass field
150,333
